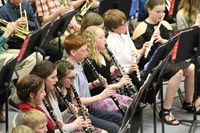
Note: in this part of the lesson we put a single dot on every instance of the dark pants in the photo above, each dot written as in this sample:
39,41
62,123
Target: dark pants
53,51
109,121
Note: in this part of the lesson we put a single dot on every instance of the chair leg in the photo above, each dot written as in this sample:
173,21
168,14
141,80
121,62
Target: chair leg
181,95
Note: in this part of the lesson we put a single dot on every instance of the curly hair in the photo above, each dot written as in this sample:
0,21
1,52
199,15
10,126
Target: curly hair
90,34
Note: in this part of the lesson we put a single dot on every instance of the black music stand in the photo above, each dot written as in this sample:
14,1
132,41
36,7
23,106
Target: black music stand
159,55
137,100
188,47
163,53
123,5
58,28
5,78
32,42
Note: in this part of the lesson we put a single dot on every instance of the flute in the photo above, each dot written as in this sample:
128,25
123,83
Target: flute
134,59
152,39
127,86
68,104
88,62
53,116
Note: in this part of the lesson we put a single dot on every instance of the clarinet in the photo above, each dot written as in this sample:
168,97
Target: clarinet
53,116
127,86
88,62
68,104
80,105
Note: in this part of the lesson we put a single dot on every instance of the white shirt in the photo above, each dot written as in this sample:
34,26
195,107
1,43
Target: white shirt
121,46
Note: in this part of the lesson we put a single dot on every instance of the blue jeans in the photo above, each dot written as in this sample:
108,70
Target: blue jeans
109,121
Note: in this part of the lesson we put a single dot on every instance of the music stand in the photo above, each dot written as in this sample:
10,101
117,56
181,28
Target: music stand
188,47
152,77
58,28
159,55
32,42
5,78
123,5
163,54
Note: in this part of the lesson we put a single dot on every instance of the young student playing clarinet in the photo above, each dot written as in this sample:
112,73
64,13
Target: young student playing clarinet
66,75
30,90
174,71
97,54
76,48
49,74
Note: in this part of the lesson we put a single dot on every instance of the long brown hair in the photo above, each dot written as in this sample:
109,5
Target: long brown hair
190,10
44,69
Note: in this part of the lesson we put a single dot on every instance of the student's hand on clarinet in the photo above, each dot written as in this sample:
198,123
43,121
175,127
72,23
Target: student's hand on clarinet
114,71
75,109
107,93
124,80
97,83
85,110
78,122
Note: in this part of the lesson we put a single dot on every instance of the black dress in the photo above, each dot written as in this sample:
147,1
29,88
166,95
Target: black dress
104,70
171,68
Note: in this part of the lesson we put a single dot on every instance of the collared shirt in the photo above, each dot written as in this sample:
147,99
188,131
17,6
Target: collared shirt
46,7
10,12
121,46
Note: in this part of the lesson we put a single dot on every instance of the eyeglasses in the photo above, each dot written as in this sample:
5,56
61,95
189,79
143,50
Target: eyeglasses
71,78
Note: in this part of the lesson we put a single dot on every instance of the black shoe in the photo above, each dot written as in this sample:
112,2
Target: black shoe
167,112
13,105
190,108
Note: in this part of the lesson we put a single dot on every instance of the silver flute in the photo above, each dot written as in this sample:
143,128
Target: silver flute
152,39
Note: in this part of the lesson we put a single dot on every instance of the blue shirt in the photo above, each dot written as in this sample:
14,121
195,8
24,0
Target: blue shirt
81,82
10,12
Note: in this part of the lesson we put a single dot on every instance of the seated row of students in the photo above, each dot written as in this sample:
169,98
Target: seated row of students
173,71
119,30
5,55
10,12
115,22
